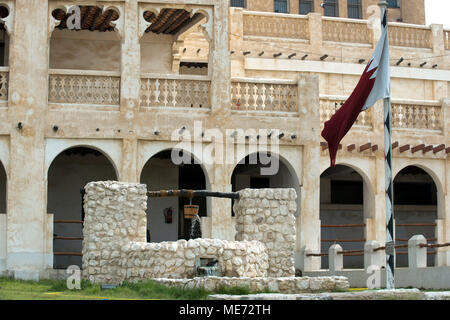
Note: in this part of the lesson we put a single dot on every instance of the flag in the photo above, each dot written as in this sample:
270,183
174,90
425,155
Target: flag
373,86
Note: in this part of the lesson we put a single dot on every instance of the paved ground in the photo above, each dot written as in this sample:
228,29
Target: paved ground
399,294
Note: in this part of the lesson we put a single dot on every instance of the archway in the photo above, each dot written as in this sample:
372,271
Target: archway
161,173
248,173
344,197
68,174
415,210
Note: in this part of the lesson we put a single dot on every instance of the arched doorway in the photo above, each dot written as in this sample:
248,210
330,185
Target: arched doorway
160,173
415,210
248,173
68,174
342,213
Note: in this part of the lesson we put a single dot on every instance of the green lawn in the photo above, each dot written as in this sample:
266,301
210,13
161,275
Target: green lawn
56,290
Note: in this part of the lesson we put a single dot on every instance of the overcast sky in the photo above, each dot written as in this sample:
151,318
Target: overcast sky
437,11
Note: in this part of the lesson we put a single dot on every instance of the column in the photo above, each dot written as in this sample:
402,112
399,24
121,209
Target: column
28,78
130,88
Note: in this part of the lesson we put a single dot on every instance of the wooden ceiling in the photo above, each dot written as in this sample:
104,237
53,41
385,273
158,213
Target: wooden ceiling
169,21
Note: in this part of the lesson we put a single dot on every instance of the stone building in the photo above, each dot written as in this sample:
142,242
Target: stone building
109,100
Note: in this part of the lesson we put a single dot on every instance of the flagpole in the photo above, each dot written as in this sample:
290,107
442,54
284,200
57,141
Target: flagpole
390,243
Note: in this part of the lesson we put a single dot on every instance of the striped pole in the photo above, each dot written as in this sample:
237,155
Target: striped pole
390,249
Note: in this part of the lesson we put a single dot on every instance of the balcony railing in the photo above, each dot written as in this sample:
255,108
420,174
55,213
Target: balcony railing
4,79
348,30
81,87
425,115
276,25
412,36
175,91
330,104
264,95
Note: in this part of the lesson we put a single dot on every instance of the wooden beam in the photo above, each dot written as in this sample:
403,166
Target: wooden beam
404,148
374,148
86,15
170,21
95,19
418,148
447,151
191,194
365,147
395,145
427,149
324,146
351,147
439,148
105,22
185,17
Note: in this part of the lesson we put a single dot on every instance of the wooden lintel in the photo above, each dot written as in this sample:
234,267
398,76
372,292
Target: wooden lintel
404,148
418,148
427,149
439,148
395,145
375,148
365,147
351,147
324,146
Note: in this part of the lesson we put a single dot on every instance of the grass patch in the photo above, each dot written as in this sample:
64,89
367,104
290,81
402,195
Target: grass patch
11,289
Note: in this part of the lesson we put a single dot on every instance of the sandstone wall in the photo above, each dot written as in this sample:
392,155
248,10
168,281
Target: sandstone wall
267,215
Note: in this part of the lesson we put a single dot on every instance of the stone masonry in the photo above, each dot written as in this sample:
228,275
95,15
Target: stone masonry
114,247
267,215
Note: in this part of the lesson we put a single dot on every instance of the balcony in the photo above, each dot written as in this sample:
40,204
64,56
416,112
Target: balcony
175,91
274,97
98,89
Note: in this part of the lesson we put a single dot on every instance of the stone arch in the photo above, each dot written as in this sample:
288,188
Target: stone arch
161,171
110,149
67,175
417,199
353,207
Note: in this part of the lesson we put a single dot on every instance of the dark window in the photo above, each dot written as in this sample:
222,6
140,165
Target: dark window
238,3
419,194
281,6
393,4
306,6
331,8
259,183
354,9
347,192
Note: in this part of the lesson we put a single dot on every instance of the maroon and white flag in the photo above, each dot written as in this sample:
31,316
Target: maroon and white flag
373,86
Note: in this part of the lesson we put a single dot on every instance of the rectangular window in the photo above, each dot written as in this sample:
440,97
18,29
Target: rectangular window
306,6
238,3
354,9
331,8
281,6
393,4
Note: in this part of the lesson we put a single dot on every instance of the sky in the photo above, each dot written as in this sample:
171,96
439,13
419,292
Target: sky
437,11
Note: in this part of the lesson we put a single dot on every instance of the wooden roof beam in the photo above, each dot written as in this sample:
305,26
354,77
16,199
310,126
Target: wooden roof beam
418,148
439,148
86,15
106,22
374,148
351,147
395,145
365,147
404,148
427,149
95,19
170,21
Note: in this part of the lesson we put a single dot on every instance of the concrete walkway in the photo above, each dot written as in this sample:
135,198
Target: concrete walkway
398,294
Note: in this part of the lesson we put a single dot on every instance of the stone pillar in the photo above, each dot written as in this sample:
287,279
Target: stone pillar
114,217
417,256
308,223
130,88
335,260
267,215
371,257
315,31
236,39
28,91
